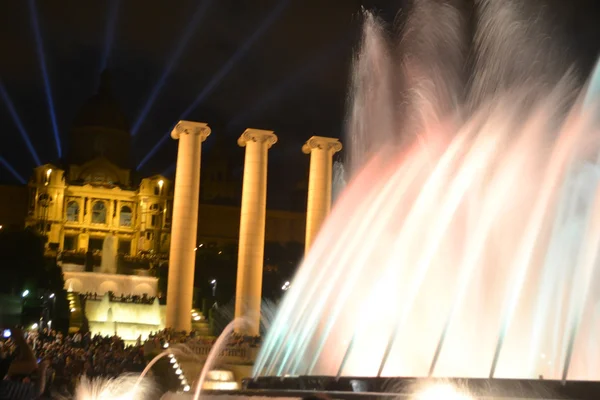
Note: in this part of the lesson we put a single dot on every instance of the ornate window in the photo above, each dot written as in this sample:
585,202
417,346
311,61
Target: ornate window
99,213
72,211
125,216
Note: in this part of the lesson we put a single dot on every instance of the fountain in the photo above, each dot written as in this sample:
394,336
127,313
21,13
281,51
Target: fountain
339,181
109,255
466,243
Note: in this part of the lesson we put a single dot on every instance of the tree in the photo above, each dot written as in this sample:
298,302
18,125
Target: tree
24,267
22,262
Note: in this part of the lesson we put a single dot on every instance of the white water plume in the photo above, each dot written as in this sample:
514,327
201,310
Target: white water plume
125,387
466,242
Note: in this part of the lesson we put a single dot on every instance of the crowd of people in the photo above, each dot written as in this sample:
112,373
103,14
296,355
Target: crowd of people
68,357
59,361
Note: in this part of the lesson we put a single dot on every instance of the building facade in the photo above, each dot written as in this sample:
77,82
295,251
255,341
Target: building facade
94,192
75,210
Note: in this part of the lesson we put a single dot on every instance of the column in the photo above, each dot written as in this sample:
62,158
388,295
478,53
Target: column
252,230
81,215
110,211
321,150
88,203
84,240
117,219
180,290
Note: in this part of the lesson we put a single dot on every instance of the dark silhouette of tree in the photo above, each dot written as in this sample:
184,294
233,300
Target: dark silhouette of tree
24,267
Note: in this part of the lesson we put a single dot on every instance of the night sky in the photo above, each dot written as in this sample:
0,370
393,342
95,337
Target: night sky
271,64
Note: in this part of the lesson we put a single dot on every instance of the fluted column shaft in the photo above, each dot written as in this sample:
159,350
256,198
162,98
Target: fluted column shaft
321,150
180,290
252,230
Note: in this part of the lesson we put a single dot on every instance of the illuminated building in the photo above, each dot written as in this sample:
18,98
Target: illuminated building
76,208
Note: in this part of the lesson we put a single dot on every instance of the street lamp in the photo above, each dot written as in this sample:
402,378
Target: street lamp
48,310
48,172
25,293
160,186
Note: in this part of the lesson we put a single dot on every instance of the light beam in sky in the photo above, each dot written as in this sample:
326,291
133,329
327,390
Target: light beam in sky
42,59
221,73
12,170
181,45
19,124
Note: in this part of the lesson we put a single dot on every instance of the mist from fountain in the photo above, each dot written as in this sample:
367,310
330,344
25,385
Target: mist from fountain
339,181
109,255
466,242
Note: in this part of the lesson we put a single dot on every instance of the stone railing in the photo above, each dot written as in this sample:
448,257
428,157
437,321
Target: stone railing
242,353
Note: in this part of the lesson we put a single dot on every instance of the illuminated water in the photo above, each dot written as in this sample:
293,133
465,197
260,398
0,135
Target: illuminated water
108,263
339,181
466,242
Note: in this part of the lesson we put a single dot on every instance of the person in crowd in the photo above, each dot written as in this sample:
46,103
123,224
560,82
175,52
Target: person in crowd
23,378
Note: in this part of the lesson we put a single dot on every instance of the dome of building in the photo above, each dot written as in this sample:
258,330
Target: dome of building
101,129
102,110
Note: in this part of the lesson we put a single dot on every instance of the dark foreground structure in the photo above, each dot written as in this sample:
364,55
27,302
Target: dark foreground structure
359,387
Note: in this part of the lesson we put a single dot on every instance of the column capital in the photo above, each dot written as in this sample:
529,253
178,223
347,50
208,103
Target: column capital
322,143
191,127
257,135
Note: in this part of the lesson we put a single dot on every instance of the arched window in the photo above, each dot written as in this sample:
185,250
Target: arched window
125,216
72,211
99,213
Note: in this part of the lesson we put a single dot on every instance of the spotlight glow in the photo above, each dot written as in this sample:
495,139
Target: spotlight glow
218,77
40,50
181,45
10,169
110,32
221,73
169,170
153,151
288,85
19,124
